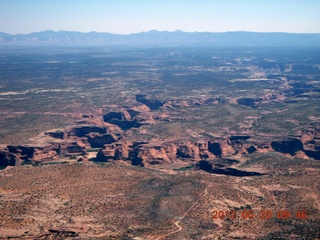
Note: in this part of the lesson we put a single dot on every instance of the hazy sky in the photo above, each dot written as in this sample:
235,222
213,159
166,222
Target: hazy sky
131,16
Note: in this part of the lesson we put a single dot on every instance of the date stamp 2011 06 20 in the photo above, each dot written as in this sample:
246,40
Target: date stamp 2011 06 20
266,214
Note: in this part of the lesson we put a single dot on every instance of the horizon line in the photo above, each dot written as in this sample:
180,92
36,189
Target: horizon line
155,30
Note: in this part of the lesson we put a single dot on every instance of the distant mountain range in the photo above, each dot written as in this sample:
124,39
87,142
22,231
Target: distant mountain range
163,38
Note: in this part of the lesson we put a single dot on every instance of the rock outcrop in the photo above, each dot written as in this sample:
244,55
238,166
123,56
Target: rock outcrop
188,150
149,155
35,153
221,147
68,149
16,155
114,151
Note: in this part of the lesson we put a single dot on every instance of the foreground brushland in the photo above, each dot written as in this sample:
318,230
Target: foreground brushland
120,201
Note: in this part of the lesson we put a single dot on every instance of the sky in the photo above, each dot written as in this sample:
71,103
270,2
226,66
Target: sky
133,16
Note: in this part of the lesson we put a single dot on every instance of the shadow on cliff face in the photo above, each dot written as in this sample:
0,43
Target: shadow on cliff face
153,104
123,119
218,168
97,141
290,146
84,130
250,102
126,124
313,154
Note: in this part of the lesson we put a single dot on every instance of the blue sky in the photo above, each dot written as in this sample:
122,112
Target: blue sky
131,16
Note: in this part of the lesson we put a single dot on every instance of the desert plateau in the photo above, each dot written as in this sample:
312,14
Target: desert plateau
158,141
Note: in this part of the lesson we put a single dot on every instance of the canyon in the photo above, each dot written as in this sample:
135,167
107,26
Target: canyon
107,134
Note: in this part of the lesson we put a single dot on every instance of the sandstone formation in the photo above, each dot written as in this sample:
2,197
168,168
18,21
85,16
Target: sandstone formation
107,131
113,147
59,144
150,153
113,151
35,153
143,155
